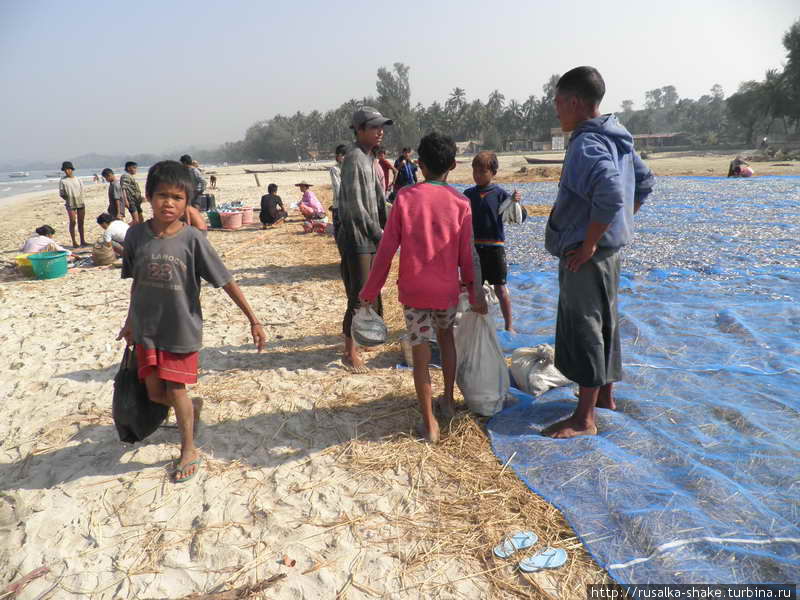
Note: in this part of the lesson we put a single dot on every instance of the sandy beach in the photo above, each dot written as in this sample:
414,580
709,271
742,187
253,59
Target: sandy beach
312,484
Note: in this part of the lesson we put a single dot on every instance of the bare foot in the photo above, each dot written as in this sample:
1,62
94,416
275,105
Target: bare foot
197,404
432,436
354,363
569,428
446,408
511,330
606,400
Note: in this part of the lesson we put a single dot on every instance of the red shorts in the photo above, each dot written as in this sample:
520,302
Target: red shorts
180,368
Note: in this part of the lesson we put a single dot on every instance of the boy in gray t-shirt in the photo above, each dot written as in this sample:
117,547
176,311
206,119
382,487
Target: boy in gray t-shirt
167,259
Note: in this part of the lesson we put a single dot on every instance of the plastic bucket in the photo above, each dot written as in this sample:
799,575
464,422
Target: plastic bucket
49,265
213,219
231,220
24,265
247,215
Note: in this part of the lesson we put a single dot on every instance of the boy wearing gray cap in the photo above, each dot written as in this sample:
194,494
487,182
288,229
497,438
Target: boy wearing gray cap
362,216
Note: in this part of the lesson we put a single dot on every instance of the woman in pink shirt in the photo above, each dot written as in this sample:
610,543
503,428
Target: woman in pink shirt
431,223
310,207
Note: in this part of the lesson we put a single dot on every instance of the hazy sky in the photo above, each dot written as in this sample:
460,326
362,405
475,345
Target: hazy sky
146,76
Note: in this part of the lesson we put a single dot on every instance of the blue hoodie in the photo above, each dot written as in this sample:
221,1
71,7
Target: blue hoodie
602,179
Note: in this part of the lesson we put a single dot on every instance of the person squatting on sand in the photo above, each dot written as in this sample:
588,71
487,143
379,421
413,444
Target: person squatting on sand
309,206
114,232
167,259
603,184
116,205
42,241
131,193
485,199
70,189
362,216
432,225
272,211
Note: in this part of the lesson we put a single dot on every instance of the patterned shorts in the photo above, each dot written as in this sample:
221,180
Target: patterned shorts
422,322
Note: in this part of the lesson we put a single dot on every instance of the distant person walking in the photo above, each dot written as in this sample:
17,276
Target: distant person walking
116,205
71,191
131,193
603,184
336,183
406,170
197,178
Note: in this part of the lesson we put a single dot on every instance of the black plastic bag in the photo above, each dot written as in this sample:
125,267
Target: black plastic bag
134,415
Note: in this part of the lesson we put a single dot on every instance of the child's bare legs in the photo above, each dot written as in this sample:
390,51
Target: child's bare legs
582,420
174,395
505,305
605,397
72,221
422,384
81,215
447,346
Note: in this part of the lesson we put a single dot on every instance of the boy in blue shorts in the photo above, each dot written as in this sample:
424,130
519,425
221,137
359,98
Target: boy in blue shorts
167,258
486,198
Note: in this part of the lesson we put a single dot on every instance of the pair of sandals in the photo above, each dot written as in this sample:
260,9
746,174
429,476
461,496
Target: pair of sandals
549,558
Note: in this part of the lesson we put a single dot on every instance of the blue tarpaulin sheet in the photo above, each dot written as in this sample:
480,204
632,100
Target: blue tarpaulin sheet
696,477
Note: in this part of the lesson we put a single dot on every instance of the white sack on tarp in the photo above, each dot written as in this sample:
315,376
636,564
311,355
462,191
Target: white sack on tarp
534,370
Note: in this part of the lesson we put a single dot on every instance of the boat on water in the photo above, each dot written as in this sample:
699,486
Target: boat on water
544,161
19,174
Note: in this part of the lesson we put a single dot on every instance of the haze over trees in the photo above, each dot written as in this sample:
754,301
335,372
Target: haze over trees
758,108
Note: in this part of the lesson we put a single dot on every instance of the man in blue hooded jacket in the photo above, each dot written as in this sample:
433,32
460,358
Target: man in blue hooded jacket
603,184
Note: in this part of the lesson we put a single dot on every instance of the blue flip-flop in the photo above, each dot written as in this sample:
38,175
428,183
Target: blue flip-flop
185,468
549,558
514,543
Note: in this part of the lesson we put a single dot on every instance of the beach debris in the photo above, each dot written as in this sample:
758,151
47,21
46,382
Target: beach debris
239,593
287,561
13,589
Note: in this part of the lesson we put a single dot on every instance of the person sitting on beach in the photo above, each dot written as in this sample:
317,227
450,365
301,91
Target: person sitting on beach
486,198
272,211
116,205
167,260
42,241
431,223
131,193
739,168
114,231
310,207
362,215
336,183
603,184
71,191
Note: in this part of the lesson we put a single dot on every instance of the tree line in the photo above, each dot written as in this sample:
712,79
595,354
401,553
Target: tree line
757,108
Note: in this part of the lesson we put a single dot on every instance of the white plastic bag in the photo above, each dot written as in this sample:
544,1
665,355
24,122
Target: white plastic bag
368,328
481,374
534,370
511,212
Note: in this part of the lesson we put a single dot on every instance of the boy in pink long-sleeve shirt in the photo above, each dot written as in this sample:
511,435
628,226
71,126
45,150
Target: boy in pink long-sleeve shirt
432,224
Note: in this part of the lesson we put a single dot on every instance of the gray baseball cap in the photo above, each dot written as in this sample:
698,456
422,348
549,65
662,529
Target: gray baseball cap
369,116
